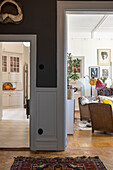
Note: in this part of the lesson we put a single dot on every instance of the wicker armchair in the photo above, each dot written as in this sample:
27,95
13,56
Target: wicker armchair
101,117
84,110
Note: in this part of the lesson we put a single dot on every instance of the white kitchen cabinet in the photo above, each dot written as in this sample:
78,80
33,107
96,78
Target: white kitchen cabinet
11,67
12,99
5,100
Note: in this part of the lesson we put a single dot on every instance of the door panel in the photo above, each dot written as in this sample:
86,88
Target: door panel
46,109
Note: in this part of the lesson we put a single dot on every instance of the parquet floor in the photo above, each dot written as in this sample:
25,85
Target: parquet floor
82,143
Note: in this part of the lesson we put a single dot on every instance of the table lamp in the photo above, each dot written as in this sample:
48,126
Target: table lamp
99,85
92,82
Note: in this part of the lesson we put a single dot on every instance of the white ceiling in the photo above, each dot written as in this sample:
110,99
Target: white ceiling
90,26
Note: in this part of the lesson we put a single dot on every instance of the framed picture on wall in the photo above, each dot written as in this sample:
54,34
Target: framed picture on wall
80,69
105,71
94,71
104,57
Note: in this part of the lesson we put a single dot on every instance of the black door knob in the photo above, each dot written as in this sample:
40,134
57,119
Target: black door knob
41,66
40,131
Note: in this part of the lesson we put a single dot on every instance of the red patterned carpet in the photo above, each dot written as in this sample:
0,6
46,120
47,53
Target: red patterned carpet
78,163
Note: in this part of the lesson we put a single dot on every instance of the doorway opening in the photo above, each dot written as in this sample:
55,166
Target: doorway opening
78,8
89,36
16,89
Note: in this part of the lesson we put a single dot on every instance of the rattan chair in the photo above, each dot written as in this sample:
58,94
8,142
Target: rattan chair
84,110
101,117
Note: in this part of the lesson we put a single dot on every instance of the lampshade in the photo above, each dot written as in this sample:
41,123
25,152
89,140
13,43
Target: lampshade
99,85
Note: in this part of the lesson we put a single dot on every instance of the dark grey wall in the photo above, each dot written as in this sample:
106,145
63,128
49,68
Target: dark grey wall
40,19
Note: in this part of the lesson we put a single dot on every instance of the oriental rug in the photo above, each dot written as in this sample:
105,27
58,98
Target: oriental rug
78,163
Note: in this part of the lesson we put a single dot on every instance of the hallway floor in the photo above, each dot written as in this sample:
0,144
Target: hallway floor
14,114
14,134
14,129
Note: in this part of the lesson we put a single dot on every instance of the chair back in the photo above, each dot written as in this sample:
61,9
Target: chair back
84,110
101,116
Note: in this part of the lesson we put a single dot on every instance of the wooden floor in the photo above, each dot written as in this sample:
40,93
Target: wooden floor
82,143
14,126
14,134
14,114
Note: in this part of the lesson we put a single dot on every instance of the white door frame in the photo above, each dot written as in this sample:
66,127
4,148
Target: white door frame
63,7
33,52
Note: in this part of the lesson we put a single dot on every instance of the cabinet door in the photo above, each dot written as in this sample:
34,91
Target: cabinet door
20,99
16,99
4,68
5,100
14,68
11,67
13,99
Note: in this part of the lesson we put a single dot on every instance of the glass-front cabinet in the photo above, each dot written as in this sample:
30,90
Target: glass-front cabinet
11,64
4,63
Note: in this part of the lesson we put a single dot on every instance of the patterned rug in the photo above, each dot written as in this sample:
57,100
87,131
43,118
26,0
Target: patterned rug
78,163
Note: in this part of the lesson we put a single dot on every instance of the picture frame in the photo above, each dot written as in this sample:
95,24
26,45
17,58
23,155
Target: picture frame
81,65
104,57
94,71
105,71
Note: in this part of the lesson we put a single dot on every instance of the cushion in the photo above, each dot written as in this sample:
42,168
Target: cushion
94,101
108,101
89,99
84,100
104,98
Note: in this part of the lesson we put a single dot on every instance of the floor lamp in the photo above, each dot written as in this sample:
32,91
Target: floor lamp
92,82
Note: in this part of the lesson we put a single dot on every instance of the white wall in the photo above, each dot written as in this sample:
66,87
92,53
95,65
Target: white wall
88,49
15,47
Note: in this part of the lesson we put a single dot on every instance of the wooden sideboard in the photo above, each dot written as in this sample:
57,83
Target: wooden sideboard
105,92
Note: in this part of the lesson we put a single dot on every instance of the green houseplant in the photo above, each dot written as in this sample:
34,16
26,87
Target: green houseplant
72,66
103,79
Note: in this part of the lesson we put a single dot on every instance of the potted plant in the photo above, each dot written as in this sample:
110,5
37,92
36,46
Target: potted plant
103,79
72,70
